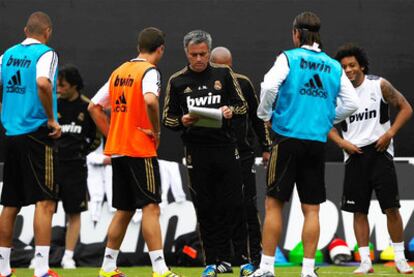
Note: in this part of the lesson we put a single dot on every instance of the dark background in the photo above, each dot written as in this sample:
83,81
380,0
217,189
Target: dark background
97,36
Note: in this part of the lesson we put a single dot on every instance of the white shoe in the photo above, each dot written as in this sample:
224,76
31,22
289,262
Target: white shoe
68,263
261,273
403,267
364,268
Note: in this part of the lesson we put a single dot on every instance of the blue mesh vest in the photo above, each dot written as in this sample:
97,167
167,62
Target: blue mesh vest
306,101
22,112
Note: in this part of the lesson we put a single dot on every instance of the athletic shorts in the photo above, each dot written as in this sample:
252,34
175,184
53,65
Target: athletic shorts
73,188
29,169
136,182
296,161
367,172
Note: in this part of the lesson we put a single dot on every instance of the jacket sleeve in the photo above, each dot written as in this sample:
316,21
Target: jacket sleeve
93,136
258,125
172,112
236,99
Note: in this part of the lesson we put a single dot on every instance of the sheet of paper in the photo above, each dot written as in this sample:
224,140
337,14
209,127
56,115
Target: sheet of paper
208,117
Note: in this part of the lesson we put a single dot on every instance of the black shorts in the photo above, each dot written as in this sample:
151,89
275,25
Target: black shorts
136,182
73,189
29,169
297,161
365,173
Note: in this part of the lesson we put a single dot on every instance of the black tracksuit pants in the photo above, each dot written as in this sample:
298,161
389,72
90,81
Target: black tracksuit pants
253,238
216,189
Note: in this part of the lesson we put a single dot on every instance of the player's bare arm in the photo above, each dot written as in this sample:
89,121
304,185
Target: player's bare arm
45,95
397,100
347,146
151,101
99,117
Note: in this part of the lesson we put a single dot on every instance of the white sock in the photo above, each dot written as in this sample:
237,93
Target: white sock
5,261
68,254
158,261
41,261
398,250
308,266
109,261
364,254
267,263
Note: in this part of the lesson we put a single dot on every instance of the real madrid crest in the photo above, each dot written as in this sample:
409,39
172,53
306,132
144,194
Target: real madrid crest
217,85
81,116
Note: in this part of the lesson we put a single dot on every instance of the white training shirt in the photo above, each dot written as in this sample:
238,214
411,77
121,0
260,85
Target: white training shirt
364,127
46,65
279,72
151,83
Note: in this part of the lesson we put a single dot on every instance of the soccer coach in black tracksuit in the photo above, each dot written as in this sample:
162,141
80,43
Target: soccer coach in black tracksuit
211,153
245,126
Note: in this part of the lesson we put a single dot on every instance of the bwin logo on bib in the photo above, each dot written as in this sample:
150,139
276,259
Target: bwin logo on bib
314,88
203,100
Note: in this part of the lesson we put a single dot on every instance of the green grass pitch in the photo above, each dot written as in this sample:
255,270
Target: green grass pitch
331,271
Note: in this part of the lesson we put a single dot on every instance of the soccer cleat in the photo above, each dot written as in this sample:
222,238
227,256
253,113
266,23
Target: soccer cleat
68,263
364,268
224,267
261,273
50,273
115,273
166,274
313,274
403,267
209,271
10,275
246,270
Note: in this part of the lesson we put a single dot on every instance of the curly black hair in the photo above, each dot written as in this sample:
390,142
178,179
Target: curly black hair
353,50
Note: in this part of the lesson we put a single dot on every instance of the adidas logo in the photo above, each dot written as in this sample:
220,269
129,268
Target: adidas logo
159,258
314,88
1,257
188,90
109,257
121,104
14,85
39,255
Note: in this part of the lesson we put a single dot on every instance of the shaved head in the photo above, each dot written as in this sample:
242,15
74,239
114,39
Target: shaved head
221,55
38,23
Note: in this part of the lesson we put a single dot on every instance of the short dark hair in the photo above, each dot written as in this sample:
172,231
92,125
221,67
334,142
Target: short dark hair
38,22
71,74
308,25
353,50
150,39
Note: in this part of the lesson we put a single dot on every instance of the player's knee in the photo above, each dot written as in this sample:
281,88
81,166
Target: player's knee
393,213
152,209
46,206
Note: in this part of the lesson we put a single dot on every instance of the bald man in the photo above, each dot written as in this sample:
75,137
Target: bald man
245,127
29,115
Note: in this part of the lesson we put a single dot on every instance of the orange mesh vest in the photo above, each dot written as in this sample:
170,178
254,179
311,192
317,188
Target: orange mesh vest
129,112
